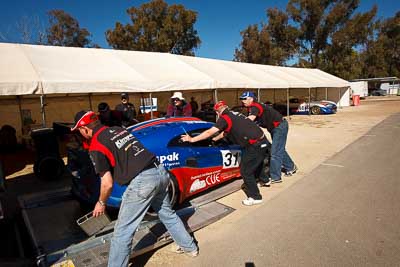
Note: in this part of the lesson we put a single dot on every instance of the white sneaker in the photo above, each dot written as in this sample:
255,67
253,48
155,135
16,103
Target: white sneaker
290,173
251,201
177,249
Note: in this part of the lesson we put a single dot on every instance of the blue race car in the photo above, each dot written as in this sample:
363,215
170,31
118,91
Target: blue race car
301,107
193,167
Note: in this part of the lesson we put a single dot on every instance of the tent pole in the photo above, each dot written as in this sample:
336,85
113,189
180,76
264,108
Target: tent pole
90,101
143,104
326,93
42,110
215,95
287,103
340,97
309,99
151,106
259,94
20,111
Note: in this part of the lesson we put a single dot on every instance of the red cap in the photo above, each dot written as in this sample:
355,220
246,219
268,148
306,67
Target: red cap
219,104
83,118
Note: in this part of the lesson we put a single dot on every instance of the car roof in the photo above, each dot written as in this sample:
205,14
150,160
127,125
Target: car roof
163,129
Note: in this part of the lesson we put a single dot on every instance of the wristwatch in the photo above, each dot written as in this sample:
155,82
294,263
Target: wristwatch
102,203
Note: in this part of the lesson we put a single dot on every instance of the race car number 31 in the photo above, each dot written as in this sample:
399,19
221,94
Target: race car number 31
230,158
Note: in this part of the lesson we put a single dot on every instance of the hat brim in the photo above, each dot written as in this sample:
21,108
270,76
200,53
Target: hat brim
85,120
180,98
75,127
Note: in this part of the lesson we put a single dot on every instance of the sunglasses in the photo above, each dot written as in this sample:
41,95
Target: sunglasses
176,99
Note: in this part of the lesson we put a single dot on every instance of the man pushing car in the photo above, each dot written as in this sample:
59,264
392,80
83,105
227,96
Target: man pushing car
118,155
270,119
244,132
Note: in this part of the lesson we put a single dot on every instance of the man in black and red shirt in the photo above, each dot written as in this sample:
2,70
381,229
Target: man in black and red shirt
242,131
267,117
118,155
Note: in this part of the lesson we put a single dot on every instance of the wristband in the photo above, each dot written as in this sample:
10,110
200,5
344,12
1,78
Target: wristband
101,203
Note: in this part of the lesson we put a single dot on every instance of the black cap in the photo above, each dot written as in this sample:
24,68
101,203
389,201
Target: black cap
103,107
124,96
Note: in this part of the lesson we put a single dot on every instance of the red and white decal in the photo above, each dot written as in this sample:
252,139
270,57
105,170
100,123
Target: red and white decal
210,180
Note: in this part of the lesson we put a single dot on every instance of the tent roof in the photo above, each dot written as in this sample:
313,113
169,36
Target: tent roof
35,69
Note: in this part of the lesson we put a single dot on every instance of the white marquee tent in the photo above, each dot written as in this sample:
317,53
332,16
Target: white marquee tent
34,69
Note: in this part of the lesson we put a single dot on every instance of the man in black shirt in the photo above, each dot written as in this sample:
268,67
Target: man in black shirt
195,106
109,117
267,117
118,155
249,136
127,109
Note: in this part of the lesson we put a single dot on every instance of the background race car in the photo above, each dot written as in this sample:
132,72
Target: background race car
297,106
193,167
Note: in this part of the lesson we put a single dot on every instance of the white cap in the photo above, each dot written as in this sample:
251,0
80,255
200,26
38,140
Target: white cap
177,95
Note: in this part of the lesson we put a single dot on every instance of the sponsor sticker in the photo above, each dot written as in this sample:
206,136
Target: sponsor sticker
230,158
169,161
211,178
197,185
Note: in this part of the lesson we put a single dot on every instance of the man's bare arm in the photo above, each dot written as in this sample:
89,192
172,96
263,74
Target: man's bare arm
204,135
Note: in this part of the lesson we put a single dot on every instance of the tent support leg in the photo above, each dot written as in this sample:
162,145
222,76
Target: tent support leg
287,103
309,100
90,102
20,111
340,97
259,94
326,93
215,95
151,106
42,109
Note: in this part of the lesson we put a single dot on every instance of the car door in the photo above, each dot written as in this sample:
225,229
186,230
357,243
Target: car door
203,164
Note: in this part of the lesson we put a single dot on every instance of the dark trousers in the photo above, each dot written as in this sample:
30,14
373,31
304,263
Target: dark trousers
252,158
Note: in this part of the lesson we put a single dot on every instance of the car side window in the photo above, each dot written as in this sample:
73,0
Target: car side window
176,141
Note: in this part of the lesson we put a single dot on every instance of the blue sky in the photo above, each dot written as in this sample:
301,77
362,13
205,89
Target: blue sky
219,21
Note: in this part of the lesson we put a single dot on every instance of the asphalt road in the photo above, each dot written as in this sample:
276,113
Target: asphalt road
346,212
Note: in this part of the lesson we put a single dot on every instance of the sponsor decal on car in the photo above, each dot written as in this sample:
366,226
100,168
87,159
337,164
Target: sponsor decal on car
230,174
197,185
230,158
169,160
211,178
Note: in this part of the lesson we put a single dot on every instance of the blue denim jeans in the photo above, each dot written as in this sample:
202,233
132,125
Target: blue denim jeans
148,189
279,157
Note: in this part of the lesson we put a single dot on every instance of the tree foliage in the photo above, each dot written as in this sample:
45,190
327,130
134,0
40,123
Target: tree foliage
157,27
389,38
256,46
64,30
327,34
274,44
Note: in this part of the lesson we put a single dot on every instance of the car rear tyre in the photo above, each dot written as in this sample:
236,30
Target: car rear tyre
173,193
315,110
173,190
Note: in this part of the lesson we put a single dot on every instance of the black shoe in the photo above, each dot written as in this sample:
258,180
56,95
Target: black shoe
276,181
290,173
264,184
